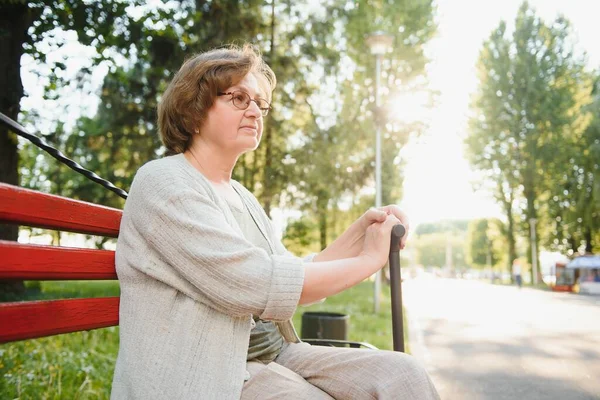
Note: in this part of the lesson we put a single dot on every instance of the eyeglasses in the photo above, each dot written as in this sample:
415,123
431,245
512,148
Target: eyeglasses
242,101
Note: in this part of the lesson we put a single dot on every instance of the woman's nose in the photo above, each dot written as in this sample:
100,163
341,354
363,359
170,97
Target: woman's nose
253,110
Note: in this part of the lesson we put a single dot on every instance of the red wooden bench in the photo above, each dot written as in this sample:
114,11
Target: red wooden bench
33,319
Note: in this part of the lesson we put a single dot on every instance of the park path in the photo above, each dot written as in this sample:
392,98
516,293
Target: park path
492,342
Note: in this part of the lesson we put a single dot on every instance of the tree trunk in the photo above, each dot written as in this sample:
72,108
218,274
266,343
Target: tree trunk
322,213
252,178
532,214
587,235
510,233
267,193
14,22
246,169
323,229
15,19
268,172
573,243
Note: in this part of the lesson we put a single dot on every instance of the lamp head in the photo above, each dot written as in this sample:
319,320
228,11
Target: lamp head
379,42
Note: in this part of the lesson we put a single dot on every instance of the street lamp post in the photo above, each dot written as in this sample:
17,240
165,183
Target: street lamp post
534,266
379,43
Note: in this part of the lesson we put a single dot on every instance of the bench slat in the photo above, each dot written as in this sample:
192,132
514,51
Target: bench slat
36,319
42,210
36,262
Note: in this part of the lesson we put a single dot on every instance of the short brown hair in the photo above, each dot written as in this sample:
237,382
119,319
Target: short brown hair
192,92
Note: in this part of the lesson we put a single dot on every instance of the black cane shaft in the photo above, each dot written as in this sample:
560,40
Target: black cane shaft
396,288
396,285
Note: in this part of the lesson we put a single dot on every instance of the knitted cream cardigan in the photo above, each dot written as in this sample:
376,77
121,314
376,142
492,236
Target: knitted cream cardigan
190,284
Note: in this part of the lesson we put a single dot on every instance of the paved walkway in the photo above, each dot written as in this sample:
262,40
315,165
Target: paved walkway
481,341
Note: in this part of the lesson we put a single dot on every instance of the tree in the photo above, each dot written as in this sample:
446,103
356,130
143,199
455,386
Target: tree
309,50
154,41
452,226
331,154
442,243
24,24
489,145
525,102
574,206
484,242
479,244
48,175
441,250
411,24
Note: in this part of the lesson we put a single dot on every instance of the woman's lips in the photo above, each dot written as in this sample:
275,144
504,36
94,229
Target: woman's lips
250,128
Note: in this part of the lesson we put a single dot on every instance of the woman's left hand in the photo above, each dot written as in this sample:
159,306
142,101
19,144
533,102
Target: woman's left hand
398,213
351,242
370,216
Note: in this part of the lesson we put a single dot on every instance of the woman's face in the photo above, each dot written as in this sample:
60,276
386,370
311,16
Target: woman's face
231,129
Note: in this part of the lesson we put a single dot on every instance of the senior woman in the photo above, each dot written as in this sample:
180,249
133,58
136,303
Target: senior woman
208,290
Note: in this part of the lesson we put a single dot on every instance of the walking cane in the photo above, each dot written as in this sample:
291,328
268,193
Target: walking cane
396,287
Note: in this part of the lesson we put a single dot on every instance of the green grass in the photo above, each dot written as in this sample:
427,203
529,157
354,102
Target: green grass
364,326
80,365
72,366
69,289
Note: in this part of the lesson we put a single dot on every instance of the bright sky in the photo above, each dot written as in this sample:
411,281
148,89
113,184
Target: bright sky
438,178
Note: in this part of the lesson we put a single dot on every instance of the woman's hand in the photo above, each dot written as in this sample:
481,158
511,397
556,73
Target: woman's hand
372,215
376,246
394,210
324,278
351,242
358,253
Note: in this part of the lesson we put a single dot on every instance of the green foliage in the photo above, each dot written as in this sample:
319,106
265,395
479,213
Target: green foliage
70,289
574,207
330,155
441,243
452,226
485,242
441,249
104,25
318,143
411,25
143,47
479,243
301,236
529,115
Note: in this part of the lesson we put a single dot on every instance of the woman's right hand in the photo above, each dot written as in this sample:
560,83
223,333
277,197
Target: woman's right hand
326,278
376,247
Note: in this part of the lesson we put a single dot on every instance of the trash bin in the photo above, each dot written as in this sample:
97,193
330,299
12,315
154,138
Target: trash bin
324,325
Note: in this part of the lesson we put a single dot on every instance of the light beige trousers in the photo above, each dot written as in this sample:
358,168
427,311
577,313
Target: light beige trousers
303,371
